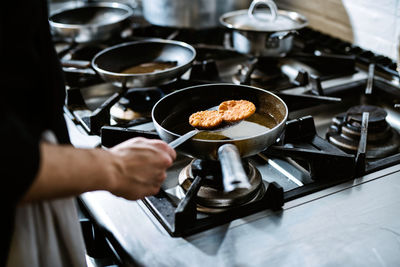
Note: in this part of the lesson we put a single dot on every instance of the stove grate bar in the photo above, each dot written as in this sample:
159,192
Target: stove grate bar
324,160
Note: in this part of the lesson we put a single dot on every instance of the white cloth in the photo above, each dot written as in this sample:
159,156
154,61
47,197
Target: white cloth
47,233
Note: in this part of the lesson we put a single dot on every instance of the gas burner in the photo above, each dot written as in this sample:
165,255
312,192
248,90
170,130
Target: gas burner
259,76
214,63
262,72
382,139
204,70
211,198
135,104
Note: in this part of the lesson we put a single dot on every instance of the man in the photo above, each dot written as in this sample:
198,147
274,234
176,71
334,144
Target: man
41,173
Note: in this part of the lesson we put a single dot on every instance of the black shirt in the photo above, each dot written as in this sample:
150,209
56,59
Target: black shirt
32,94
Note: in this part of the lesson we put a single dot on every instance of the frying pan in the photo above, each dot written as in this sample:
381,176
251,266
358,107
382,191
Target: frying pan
110,62
91,22
171,119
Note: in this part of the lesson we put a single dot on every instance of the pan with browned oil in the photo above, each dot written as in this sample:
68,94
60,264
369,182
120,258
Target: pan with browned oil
251,136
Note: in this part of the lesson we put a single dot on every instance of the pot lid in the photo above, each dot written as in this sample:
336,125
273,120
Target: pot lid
263,20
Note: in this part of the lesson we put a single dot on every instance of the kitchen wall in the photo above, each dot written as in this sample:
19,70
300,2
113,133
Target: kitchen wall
371,24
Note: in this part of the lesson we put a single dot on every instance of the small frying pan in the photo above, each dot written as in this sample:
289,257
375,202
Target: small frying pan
249,137
110,62
91,22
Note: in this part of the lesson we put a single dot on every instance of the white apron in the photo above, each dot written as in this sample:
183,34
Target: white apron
47,233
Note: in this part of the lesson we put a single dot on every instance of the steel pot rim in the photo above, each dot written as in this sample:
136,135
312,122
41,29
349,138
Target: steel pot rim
183,14
59,25
291,14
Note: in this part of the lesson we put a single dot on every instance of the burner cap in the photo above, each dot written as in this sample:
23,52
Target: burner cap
345,132
376,114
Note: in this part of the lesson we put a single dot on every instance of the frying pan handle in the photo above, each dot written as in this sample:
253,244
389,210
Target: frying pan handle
74,63
233,174
80,66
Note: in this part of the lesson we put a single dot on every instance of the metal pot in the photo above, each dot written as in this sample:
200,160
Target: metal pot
263,33
194,14
92,22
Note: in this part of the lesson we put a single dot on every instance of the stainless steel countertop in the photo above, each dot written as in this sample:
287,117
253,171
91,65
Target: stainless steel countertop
352,224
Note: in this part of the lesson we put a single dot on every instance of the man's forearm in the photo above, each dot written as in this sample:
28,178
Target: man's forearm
66,171
133,169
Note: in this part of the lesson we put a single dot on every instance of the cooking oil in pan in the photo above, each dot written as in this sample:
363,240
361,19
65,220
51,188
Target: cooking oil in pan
254,125
149,67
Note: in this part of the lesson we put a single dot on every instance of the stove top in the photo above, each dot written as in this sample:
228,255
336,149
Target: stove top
343,122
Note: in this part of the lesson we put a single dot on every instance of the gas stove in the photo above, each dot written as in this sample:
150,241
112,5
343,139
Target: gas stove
344,123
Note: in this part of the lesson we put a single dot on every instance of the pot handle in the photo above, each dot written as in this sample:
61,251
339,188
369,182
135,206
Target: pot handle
282,35
78,64
269,3
233,174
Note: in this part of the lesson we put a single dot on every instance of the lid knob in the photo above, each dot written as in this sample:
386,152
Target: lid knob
269,3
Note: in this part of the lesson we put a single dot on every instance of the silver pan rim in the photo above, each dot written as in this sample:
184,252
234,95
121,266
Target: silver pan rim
59,25
281,124
141,75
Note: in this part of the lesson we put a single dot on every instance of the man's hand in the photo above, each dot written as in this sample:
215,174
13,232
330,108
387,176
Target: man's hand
141,167
132,169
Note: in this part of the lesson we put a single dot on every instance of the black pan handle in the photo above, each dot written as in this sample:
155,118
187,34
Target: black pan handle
74,63
233,174
78,66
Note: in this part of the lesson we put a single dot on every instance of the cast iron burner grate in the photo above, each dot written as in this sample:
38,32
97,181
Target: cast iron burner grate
327,165
184,219
296,69
211,197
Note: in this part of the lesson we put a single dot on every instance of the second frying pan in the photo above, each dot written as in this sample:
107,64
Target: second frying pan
111,62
